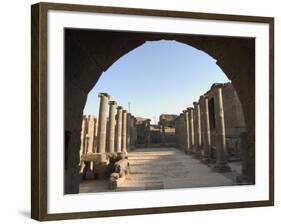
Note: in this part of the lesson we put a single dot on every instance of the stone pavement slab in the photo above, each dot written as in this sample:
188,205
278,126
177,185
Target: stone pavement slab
165,168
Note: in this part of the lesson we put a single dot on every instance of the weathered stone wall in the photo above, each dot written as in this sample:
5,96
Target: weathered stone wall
143,131
161,134
168,120
167,126
234,120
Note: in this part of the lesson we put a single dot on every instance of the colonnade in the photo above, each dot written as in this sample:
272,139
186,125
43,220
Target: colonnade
88,138
115,130
194,132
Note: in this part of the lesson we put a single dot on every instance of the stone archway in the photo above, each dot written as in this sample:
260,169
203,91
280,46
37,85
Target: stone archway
88,53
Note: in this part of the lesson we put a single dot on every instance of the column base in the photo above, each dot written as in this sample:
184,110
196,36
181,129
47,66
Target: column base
222,168
197,155
100,169
188,151
205,159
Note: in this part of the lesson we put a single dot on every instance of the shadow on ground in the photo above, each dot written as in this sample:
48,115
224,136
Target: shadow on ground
165,168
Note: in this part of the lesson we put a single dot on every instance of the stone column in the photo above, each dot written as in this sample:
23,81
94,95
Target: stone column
191,129
129,116
163,137
86,144
83,136
147,132
96,136
176,132
135,132
91,137
91,133
179,131
197,130
124,131
183,131
112,123
204,102
221,163
118,145
187,139
104,98
132,132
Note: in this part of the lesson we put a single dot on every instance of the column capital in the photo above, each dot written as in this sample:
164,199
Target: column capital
195,103
206,97
202,99
202,102
119,108
184,111
217,86
91,117
208,92
112,102
124,111
147,120
104,95
190,109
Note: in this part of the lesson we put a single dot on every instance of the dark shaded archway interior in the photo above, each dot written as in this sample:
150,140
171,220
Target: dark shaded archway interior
88,53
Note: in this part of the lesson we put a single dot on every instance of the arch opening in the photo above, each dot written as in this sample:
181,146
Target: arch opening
90,53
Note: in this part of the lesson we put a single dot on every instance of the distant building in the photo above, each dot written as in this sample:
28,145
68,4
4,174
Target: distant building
162,134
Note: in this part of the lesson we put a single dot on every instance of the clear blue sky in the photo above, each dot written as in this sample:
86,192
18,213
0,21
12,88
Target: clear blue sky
157,77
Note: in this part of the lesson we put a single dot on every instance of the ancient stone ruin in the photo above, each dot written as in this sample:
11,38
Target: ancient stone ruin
105,142
212,131
86,61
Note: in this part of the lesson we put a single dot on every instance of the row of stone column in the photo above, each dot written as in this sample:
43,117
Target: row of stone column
88,138
88,135
121,124
193,130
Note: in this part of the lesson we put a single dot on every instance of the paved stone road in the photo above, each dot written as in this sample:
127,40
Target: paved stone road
165,168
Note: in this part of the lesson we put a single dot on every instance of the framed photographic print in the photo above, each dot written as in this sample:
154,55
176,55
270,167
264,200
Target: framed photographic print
139,111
